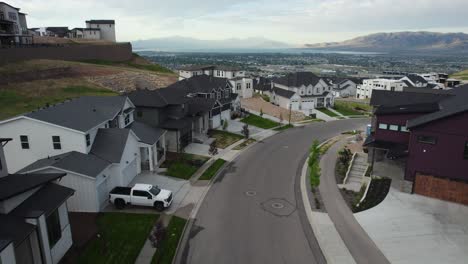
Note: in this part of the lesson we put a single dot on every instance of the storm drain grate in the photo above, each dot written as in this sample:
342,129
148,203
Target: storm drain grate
250,193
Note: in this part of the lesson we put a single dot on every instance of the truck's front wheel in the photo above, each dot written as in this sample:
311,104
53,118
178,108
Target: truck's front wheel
159,206
119,204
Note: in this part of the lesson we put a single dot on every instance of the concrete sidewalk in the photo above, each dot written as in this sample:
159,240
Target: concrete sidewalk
358,242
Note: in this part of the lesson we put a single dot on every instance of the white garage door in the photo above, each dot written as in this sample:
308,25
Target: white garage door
129,172
103,194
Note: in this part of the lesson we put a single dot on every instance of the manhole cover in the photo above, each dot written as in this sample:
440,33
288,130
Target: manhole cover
277,205
250,193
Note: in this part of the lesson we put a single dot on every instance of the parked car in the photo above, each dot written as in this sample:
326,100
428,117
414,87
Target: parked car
142,195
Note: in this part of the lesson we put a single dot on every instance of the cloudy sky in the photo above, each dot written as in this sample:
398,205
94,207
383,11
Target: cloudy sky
292,21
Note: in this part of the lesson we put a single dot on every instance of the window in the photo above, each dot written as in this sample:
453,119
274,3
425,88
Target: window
127,119
140,193
383,126
54,230
427,139
393,127
12,16
465,153
88,140
248,85
56,142
238,86
24,142
404,129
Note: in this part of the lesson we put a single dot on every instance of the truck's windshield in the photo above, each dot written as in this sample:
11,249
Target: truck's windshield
155,190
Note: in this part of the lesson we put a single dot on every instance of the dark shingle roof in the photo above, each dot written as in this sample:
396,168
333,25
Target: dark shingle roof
391,98
86,164
298,79
198,105
448,106
197,67
146,134
177,123
15,184
14,229
101,21
44,201
110,143
407,109
82,113
197,84
415,78
283,93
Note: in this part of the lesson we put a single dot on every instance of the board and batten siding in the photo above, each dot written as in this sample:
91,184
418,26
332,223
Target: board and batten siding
64,244
40,142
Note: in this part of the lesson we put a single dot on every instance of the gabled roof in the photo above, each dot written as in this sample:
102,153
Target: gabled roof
407,109
147,134
298,79
157,98
283,93
391,98
415,78
15,184
83,113
101,21
448,106
199,105
85,164
197,68
44,201
110,143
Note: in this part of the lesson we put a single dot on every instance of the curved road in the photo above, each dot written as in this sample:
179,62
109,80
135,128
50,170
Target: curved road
252,213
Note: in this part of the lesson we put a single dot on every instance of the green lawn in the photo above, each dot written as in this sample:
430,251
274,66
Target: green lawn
283,127
351,108
260,122
212,170
224,138
327,112
166,252
460,75
244,144
184,165
15,102
121,238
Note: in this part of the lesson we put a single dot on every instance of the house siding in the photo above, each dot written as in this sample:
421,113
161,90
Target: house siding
393,136
445,158
40,142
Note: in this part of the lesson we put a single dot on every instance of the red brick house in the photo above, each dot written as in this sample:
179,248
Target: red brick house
431,128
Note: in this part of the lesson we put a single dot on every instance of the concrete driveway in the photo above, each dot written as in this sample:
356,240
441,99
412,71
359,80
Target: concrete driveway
417,229
235,126
185,194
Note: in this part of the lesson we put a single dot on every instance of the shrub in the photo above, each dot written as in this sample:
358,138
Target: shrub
225,124
245,131
314,166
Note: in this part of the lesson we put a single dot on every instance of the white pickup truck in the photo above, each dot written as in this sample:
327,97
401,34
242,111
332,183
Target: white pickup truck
141,194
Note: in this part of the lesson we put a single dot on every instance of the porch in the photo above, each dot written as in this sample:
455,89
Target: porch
152,156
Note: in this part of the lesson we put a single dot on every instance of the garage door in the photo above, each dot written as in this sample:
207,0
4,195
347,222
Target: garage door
129,172
103,194
440,188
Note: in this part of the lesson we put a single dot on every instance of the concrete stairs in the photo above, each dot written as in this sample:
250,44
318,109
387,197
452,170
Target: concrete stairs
356,173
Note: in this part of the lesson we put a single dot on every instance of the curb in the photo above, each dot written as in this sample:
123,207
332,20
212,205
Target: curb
308,210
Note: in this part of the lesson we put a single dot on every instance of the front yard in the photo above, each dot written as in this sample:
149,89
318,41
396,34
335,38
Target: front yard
167,251
212,170
260,122
224,138
244,144
119,238
347,108
327,112
184,165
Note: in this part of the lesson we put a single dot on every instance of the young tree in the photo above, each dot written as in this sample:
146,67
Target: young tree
281,118
261,112
213,149
225,124
314,165
245,131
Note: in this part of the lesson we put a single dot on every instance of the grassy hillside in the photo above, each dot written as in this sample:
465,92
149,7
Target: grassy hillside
463,75
25,97
79,79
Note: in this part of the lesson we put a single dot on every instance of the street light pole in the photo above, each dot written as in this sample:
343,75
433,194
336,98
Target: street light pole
290,109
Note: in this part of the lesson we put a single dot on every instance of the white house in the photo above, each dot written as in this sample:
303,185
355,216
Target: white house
344,88
364,91
34,225
93,139
242,86
302,91
106,28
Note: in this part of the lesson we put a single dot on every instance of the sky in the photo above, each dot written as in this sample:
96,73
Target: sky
291,21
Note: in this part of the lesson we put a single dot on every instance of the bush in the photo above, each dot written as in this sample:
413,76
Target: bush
245,131
314,164
235,115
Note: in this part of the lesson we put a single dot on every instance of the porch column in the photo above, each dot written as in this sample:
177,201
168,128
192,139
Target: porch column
151,158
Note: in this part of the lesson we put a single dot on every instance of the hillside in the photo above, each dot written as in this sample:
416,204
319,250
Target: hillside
401,41
33,84
463,75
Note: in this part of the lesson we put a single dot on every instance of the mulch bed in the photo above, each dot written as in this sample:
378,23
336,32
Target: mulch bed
84,228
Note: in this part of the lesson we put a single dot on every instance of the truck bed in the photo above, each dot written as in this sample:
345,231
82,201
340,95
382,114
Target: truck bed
121,190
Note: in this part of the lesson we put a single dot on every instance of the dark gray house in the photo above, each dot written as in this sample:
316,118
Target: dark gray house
187,109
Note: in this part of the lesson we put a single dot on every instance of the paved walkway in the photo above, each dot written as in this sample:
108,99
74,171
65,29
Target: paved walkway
356,174
359,244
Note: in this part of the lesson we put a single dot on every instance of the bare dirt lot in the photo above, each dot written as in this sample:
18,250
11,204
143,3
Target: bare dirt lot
257,104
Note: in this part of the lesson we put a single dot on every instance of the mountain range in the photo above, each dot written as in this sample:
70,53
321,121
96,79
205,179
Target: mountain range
400,41
178,43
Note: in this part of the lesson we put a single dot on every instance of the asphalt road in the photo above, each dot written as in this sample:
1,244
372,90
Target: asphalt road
252,213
